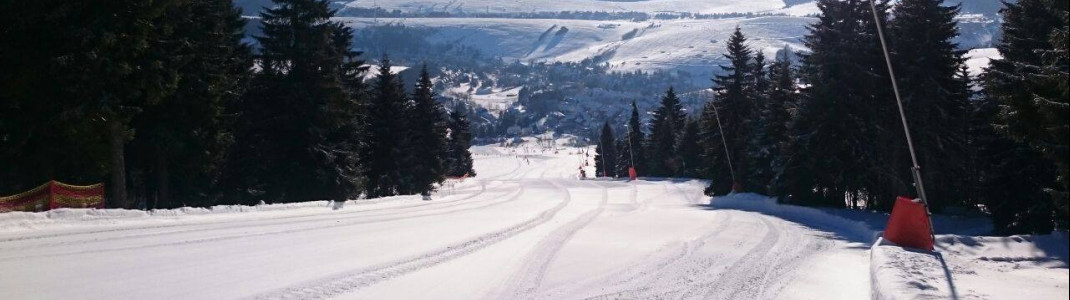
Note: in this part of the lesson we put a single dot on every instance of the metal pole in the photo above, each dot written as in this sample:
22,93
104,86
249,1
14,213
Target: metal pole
916,169
631,152
724,142
601,152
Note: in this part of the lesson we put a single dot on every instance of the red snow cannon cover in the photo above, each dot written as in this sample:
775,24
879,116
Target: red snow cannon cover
909,225
632,174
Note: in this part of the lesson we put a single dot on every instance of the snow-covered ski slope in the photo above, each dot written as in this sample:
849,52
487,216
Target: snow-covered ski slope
525,228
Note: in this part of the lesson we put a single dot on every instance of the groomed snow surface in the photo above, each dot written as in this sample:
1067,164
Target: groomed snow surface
525,228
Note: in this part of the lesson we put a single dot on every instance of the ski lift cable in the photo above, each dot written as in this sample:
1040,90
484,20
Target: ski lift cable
916,168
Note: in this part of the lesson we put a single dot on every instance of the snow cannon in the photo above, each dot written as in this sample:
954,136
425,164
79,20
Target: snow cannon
632,174
909,225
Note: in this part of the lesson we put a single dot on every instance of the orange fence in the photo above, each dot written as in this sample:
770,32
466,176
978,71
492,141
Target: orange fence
55,194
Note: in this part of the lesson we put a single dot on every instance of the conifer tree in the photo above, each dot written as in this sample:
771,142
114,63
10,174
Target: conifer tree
845,137
181,140
605,159
295,141
1011,176
689,151
771,136
734,102
1031,88
631,150
428,139
927,65
460,140
387,131
89,67
667,122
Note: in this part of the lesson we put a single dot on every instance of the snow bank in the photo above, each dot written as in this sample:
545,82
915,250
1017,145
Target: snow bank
853,230
964,266
13,221
902,273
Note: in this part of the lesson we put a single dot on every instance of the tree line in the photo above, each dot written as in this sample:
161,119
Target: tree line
826,131
165,102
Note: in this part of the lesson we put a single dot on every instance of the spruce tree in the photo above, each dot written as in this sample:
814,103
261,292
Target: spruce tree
689,151
295,141
385,155
428,138
846,142
734,102
181,140
605,159
1030,88
927,65
631,147
460,140
623,157
89,67
771,136
667,122
1011,176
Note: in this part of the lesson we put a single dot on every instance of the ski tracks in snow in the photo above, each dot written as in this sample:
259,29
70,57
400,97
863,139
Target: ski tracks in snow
701,269
333,221
338,284
527,281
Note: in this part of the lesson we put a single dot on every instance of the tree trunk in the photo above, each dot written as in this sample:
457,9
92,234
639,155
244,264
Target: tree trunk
118,164
163,180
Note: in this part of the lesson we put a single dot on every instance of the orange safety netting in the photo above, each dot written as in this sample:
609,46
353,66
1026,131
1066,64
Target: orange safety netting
55,194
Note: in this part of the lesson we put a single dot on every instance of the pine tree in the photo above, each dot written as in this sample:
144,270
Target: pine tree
734,102
182,139
927,65
667,122
428,136
845,141
387,132
689,151
631,147
93,65
460,140
605,161
1030,89
771,136
295,140
1011,177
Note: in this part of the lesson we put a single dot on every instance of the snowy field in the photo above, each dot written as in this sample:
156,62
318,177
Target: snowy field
525,228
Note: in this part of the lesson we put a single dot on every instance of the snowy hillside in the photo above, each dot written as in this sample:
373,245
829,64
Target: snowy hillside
460,6
692,45
471,44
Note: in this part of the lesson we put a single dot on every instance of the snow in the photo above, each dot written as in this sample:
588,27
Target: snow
518,230
373,71
498,6
962,267
526,227
496,100
692,45
978,59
